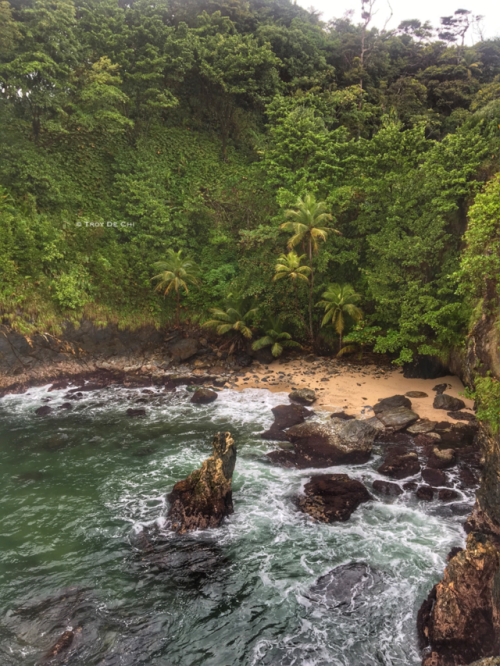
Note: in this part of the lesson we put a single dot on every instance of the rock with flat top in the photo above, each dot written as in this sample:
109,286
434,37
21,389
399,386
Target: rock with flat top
393,402
400,465
397,418
422,426
334,442
286,416
416,394
387,488
204,499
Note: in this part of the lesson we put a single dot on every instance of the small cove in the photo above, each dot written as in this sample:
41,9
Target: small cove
80,485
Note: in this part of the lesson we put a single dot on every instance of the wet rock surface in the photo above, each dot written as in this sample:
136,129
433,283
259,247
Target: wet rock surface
134,413
204,499
324,444
329,498
397,418
434,477
286,416
460,621
43,411
203,396
347,586
399,464
387,488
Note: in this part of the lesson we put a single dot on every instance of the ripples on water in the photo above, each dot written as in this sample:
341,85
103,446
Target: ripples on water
79,486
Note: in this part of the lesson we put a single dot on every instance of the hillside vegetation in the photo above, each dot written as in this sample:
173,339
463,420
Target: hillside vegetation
131,129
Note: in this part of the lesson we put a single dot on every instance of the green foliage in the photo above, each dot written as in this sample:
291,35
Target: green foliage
176,272
339,302
275,337
480,262
487,396
235,317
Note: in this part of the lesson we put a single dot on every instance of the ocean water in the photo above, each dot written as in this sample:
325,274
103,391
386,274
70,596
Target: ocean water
79,487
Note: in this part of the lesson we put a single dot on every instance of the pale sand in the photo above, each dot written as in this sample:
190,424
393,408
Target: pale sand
350,388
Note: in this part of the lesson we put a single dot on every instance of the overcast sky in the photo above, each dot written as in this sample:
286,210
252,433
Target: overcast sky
424,10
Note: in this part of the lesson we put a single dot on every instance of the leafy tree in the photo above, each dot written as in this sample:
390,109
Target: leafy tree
340,301
290,268
176,273
235,318
307,222
276,338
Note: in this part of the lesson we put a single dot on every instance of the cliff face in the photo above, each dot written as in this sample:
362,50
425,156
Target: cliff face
460,621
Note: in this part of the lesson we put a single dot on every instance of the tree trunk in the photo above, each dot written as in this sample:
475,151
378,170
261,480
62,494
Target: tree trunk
297,304
178,308
340,342
311,332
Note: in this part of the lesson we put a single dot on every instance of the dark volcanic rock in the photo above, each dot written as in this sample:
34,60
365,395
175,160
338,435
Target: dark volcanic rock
441,458
460,620
204,499
203,396
43,411
434,477
448,402
387,488
285,416
416,394
332,497
440,388
425,493
334,442
66,405
243,360
342,416
397,418
447,494
347,585
400,465
136,412
463,416
303,396
392,403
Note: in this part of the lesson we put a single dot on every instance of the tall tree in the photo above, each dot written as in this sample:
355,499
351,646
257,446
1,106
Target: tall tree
290,268
308,222
176,272
340,301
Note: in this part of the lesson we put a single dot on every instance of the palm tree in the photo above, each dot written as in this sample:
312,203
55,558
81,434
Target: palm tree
289,266
308,224
276,338
176,273
235,317
339,301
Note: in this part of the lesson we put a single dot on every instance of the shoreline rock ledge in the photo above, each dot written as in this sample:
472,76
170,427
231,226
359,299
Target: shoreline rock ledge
204,498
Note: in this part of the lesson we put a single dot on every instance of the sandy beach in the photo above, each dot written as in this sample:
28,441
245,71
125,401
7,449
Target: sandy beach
342,386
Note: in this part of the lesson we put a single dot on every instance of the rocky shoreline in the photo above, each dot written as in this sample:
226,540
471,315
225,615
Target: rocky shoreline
460,620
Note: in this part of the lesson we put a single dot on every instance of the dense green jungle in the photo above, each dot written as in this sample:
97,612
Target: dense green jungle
219,145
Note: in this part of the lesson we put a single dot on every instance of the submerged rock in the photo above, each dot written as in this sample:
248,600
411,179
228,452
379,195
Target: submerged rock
434,477
460,621
448,402
134,413
346,585
303,396
400,465
425,493
204,499
43,411
387,488
332,497
334,442
203,396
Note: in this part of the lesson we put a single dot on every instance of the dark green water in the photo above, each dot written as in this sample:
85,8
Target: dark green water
79,486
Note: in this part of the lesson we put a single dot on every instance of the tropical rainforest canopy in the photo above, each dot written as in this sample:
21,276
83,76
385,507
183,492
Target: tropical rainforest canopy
130,131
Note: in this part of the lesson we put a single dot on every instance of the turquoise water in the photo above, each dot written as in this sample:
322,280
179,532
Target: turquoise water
78,488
